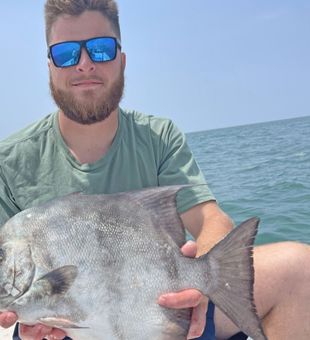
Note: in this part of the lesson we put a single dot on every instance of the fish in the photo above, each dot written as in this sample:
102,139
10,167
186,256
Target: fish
95,266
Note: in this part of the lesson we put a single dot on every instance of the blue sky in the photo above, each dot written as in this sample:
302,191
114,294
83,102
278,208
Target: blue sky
204,64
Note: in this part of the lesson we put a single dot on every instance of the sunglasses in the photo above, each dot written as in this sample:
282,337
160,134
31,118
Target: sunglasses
99,50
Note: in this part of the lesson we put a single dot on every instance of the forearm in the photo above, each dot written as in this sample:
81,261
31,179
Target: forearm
208,224
216,229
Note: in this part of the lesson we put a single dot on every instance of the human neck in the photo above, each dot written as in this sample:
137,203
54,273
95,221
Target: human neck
88,143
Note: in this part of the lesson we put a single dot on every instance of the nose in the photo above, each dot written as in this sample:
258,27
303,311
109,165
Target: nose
85,64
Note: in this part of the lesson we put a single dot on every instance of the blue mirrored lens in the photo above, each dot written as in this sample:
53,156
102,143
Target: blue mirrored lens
101,49
66,54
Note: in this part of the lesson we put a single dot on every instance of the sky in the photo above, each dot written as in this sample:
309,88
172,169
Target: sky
204,64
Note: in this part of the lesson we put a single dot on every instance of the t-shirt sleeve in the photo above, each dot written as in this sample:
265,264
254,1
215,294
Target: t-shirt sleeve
7,204
178,166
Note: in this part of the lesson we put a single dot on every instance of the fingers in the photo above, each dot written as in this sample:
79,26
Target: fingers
198,320
38,332
187,299
7,319
189,249
184,299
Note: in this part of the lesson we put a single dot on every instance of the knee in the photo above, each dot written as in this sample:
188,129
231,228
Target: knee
296,259
286,262
280,270
296,250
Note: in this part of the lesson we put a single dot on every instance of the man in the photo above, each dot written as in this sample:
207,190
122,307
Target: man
91,145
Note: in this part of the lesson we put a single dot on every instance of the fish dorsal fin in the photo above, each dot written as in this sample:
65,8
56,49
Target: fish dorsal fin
161,202
58,281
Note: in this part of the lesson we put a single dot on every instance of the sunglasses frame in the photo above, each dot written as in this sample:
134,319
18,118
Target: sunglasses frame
82,44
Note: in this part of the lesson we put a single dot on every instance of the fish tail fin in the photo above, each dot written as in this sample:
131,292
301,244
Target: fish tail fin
230,277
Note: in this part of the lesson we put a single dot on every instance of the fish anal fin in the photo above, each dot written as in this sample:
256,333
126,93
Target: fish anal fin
59,323
58,281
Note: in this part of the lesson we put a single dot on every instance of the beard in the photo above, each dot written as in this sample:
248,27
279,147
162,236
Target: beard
89,110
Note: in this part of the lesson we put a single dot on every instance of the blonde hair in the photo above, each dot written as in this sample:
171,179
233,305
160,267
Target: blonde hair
56,8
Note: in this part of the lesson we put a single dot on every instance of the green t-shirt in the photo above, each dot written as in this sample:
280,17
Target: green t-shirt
147,151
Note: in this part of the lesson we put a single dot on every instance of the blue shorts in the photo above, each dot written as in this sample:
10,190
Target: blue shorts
208,334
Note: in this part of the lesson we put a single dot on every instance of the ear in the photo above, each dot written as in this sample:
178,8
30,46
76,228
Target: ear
123,59
49,63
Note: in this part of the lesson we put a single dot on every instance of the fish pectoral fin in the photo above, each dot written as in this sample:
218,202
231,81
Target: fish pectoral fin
58,281
59,323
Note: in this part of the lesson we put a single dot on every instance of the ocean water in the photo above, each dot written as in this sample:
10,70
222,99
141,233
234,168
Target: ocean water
260,170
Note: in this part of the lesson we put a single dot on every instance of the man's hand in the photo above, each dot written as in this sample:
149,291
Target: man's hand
189,298
7,319
39,332
36,332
